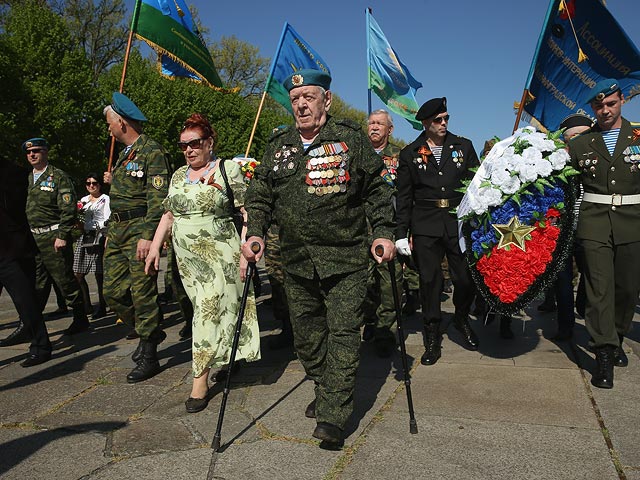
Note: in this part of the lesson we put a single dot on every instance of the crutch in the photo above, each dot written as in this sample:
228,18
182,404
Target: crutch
215,443
413,425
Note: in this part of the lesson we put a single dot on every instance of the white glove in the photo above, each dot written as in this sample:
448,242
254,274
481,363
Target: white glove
402,245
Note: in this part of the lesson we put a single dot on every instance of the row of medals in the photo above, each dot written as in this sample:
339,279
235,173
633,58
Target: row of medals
327,175
632,155
47,185
589,164
134,169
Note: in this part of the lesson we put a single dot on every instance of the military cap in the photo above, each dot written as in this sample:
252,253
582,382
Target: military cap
603,89
576,120
308,76
35,142
124,107
431,108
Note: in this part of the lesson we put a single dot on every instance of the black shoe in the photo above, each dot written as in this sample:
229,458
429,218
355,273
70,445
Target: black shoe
468,335
603,376
447,287
329,433
562,336
310,411
18,336
505,328
148,365
433,344
620,358
368,332
36,359
99,312
186,331
137,353
195,405
77,327
132,335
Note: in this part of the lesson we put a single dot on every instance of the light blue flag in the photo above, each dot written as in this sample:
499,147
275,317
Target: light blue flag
558,80
293,54
389,78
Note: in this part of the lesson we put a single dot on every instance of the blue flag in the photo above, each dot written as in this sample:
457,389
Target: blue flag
293,54
561,77
389,78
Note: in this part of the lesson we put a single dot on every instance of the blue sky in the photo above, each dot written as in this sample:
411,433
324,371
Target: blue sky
476,53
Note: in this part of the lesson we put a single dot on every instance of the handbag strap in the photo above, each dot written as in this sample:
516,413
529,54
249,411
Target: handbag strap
228,188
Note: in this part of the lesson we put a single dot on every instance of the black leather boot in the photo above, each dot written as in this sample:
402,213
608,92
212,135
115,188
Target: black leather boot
603,375
619,357
470,339
80,322
18,336
136,356
432,344
148,365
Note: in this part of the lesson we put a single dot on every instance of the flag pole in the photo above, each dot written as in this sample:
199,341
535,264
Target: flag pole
370,10
134,22
266,88
553,5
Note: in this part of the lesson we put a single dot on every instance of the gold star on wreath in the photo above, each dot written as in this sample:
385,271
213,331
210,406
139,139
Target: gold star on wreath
513,233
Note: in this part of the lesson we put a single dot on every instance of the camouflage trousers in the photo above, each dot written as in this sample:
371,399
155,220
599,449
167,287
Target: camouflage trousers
130,293
173,280
326,315
273,267
379,307
56,267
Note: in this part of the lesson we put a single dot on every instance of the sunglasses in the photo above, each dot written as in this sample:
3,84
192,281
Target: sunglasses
92,183
35,150
194,144
441,119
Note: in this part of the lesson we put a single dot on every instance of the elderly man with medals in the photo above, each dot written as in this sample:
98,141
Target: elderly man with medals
321,181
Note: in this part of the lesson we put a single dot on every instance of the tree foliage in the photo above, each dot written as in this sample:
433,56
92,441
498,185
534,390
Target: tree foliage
240,65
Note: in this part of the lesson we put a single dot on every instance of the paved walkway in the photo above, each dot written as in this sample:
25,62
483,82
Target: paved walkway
519,409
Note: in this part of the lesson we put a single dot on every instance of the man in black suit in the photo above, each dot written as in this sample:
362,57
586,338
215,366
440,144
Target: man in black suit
430,171
17,264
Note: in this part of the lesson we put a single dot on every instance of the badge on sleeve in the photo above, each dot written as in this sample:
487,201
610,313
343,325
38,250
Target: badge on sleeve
66,198
157,182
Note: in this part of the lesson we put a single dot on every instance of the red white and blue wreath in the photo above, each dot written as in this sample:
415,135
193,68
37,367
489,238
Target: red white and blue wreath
518,218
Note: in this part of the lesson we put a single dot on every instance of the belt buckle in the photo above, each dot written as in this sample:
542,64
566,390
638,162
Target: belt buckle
443,202
115,217
616,199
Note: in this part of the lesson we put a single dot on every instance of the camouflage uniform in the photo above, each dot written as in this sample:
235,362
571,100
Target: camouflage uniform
51,211
379,306
138,187
273,264
321,198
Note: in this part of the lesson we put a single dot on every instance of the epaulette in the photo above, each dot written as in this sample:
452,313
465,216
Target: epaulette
349,123
635,124
276,132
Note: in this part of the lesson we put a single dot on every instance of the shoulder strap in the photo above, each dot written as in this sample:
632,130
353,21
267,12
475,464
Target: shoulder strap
227,187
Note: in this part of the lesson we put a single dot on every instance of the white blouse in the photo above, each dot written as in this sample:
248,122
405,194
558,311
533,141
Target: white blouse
96,213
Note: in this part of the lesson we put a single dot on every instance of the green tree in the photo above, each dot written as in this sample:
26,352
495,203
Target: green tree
240,65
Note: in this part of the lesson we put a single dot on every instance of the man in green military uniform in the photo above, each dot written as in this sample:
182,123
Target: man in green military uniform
608,158
51,212
139,184
379,307
321,181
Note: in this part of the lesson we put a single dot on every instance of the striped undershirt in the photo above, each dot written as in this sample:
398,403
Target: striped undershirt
437,152
610,138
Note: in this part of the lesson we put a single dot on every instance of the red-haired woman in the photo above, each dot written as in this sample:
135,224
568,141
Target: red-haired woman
207,248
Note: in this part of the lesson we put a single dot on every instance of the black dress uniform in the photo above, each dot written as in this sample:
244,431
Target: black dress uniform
427,194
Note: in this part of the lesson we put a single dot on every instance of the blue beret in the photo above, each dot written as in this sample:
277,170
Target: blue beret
603,89
431,108
35,142
124,107
308,76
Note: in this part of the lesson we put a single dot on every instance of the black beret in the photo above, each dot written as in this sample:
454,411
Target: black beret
576,120
432,108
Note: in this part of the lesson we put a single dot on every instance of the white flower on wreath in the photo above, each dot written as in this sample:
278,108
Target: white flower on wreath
559,159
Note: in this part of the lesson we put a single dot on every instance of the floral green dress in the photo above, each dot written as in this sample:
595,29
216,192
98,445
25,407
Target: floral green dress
207,249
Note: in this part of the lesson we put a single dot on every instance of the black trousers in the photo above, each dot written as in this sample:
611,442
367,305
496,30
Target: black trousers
428,253
19,279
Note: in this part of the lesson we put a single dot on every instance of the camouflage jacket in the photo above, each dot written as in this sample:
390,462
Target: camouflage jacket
140,181
52,201
321,199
